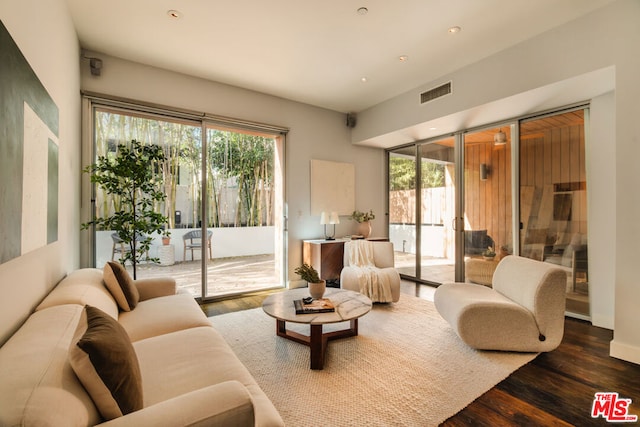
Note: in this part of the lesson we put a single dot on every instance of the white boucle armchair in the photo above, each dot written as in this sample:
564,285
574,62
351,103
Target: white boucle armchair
381,270
524,311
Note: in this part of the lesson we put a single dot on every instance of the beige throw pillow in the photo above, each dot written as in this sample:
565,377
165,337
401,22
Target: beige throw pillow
104,360
121,285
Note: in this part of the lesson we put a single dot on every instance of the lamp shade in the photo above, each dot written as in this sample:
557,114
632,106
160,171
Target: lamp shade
334,218
324,219
500,138
330,219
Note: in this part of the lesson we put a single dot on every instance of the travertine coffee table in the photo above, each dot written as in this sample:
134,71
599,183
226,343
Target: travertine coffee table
349,307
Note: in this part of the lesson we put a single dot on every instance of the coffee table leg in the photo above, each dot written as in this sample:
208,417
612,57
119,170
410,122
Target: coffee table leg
317,341
281,327
317,344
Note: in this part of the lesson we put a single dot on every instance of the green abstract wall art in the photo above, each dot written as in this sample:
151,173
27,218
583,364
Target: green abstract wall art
29,165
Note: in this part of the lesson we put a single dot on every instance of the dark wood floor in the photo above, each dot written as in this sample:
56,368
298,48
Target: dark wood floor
557,388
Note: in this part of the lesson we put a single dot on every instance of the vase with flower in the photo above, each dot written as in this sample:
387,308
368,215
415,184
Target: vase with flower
364,222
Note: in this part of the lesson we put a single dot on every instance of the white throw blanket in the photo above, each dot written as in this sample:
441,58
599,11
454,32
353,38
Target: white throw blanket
372,284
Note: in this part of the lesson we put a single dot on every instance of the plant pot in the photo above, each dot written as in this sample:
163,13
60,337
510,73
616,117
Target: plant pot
364,229
316,290
166,240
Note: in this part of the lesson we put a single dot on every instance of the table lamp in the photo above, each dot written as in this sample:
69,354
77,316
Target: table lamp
331,219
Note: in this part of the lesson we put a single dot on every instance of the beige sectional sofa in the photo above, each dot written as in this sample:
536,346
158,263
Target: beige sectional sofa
189,374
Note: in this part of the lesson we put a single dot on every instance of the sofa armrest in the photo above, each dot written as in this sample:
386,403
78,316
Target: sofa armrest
223,404
155,287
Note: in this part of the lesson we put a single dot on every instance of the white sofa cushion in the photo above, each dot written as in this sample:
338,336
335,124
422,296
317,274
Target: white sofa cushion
161,315
199,357
82,287
233,407
38,386
103,358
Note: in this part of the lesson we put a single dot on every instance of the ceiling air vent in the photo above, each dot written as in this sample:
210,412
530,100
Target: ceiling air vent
436,92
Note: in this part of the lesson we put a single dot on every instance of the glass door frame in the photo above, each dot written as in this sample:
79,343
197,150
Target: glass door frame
280,137
512,127
91,102
459,195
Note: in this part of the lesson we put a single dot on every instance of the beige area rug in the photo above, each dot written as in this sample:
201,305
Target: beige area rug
406,368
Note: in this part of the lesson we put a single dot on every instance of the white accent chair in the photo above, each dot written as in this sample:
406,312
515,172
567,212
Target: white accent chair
524,311
383,259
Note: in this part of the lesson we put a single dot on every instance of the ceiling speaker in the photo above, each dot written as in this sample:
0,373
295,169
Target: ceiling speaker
95,65
351,120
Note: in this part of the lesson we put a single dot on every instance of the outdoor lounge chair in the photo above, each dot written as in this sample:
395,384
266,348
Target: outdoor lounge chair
121,247
193,242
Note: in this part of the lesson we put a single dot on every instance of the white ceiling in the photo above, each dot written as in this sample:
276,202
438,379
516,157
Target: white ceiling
316,52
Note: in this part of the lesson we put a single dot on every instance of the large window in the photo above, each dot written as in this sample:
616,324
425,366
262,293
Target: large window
534,167
224,198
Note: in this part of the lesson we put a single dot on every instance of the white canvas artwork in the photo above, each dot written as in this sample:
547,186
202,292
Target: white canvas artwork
332,187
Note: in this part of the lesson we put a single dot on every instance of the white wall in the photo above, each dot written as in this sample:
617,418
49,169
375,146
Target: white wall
226,242
601,202
45,35
586,59
315,133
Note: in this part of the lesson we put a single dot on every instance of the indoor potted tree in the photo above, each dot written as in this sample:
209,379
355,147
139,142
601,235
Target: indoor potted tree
130,177
310,275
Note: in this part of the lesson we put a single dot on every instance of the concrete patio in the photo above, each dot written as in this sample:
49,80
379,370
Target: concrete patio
225,276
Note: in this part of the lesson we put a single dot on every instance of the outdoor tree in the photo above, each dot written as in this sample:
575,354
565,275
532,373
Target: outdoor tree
402,184
132,176
247,160
239,170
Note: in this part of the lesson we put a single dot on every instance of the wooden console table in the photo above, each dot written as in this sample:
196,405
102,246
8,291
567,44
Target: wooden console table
326,256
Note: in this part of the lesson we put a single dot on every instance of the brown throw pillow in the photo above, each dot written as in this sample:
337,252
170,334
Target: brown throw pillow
121,285
104,360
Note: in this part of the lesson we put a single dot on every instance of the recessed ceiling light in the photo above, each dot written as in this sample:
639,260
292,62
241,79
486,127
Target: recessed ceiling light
364,79
362,11
174,14
403,58
454,30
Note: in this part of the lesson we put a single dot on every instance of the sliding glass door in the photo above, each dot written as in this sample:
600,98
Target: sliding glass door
113,127
421,210
244,209
224,188
437,211
524,192
553,199
403,230
487,215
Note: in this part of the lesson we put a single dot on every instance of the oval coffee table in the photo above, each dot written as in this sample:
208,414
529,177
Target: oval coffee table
349,307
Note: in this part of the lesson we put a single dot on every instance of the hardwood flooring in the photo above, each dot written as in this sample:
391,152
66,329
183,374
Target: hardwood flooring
557,388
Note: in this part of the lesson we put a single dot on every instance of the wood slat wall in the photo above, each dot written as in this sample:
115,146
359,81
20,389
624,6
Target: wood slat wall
488,203
553,163
550,162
